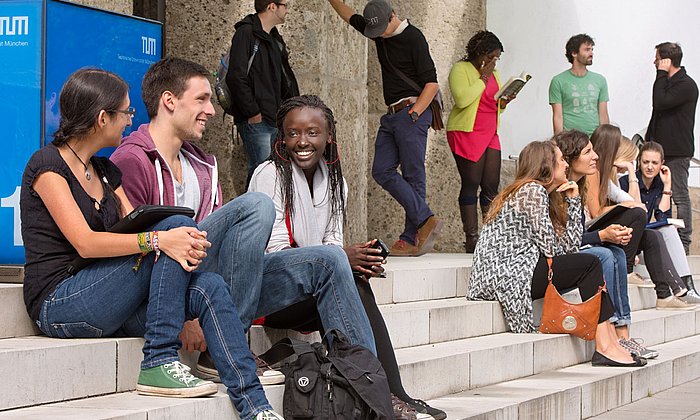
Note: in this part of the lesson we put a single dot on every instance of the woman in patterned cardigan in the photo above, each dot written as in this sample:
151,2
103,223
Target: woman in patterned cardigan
539,216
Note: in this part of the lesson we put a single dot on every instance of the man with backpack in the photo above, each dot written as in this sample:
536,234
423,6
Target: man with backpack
259,78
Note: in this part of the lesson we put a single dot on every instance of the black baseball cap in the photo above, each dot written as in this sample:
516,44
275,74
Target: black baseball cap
377,15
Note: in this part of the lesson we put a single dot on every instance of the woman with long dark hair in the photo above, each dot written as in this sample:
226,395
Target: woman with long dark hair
304,178
140,284
472,128
603,193
607,243
536,217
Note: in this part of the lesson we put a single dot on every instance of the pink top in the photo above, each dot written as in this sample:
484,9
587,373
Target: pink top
472,145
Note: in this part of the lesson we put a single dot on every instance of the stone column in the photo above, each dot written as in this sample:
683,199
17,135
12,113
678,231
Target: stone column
447,25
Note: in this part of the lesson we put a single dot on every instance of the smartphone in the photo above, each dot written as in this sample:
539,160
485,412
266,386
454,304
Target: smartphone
381,246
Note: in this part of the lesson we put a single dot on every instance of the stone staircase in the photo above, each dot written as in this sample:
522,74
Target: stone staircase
455,353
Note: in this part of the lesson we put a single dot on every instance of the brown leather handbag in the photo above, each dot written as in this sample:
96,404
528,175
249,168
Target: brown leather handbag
560,316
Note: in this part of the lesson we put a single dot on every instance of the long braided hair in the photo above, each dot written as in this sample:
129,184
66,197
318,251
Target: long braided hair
283,163
483,42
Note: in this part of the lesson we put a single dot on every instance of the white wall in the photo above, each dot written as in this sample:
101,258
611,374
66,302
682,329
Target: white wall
534,34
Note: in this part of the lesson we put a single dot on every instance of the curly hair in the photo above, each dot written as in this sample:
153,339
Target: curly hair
483,42
331,155
573,45
571,143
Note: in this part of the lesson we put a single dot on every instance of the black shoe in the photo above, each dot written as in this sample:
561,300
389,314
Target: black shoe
600,360
206,367
423,408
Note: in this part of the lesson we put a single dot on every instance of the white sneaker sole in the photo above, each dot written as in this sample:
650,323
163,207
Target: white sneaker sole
200,391
273,377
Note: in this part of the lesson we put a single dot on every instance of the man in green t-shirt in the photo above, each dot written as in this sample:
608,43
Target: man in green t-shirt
579,97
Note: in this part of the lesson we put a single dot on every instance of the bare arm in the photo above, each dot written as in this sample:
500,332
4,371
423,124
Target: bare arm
53,190
557,118
425,98
603,117
342,9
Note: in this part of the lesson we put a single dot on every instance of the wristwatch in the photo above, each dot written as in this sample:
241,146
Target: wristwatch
668,193
414,116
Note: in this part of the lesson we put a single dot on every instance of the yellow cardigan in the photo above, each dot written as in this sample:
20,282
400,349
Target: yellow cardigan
466,87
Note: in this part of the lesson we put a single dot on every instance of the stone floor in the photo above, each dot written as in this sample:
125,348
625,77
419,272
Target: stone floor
677,403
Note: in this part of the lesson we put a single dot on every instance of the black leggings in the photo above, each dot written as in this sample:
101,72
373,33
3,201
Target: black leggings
484,173
571,271
635,218
658,261
303,316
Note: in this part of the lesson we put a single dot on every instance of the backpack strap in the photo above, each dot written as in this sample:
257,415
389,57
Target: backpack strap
284,348
256,47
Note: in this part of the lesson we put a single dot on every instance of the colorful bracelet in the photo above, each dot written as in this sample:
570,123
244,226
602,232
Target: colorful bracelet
154,241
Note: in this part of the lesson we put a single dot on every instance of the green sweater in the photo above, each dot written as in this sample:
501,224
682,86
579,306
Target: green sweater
466,87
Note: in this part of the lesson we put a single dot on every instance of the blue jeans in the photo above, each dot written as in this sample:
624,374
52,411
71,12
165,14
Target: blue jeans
614,263
257,139
109,298
402,142
262,284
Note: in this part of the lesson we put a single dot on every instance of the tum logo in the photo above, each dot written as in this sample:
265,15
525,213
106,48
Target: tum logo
148,45
14,25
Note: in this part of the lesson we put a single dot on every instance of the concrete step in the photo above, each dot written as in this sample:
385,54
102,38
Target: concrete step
14,321
444,368
579,391
46,370
131,406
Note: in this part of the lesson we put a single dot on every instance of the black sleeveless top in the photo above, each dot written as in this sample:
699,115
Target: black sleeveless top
46,249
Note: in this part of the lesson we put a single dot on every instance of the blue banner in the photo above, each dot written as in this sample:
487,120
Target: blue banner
73,37
20,112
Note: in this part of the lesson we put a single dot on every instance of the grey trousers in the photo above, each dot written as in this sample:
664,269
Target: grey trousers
679,184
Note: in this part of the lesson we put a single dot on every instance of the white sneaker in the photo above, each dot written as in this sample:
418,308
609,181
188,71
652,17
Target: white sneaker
636,280
268,415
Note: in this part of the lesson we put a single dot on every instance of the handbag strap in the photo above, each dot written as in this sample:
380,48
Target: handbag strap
285,348
550,275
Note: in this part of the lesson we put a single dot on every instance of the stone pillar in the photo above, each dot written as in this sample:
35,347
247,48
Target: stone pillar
447,25
329,60
120,6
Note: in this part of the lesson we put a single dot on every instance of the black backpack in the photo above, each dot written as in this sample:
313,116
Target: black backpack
221,89
346,383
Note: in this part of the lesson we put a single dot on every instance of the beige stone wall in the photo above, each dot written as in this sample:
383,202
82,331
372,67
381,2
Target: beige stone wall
447,25
121,6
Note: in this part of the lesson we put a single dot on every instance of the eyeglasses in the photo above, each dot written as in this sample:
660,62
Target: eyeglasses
130,111
281,4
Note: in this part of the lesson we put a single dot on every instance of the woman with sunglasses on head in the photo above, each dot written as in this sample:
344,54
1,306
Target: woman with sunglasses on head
606,244
538,217
603,193
305,181
472,128
143,284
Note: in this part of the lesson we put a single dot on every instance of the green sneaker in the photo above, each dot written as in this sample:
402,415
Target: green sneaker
173,380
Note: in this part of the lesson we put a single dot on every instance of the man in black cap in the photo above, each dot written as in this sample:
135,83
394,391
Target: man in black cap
410,83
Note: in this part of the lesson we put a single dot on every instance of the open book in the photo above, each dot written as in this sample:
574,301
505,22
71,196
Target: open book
512,86
679,223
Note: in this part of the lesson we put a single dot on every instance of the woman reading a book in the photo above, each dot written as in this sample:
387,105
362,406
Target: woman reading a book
536,217
604,243
472,128
304,179
141,284
603,193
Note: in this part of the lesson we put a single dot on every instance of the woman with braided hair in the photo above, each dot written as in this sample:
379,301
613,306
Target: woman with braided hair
304,178
472,128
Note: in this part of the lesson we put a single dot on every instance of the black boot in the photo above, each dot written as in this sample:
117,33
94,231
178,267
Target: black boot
484,212
471,227
690,285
